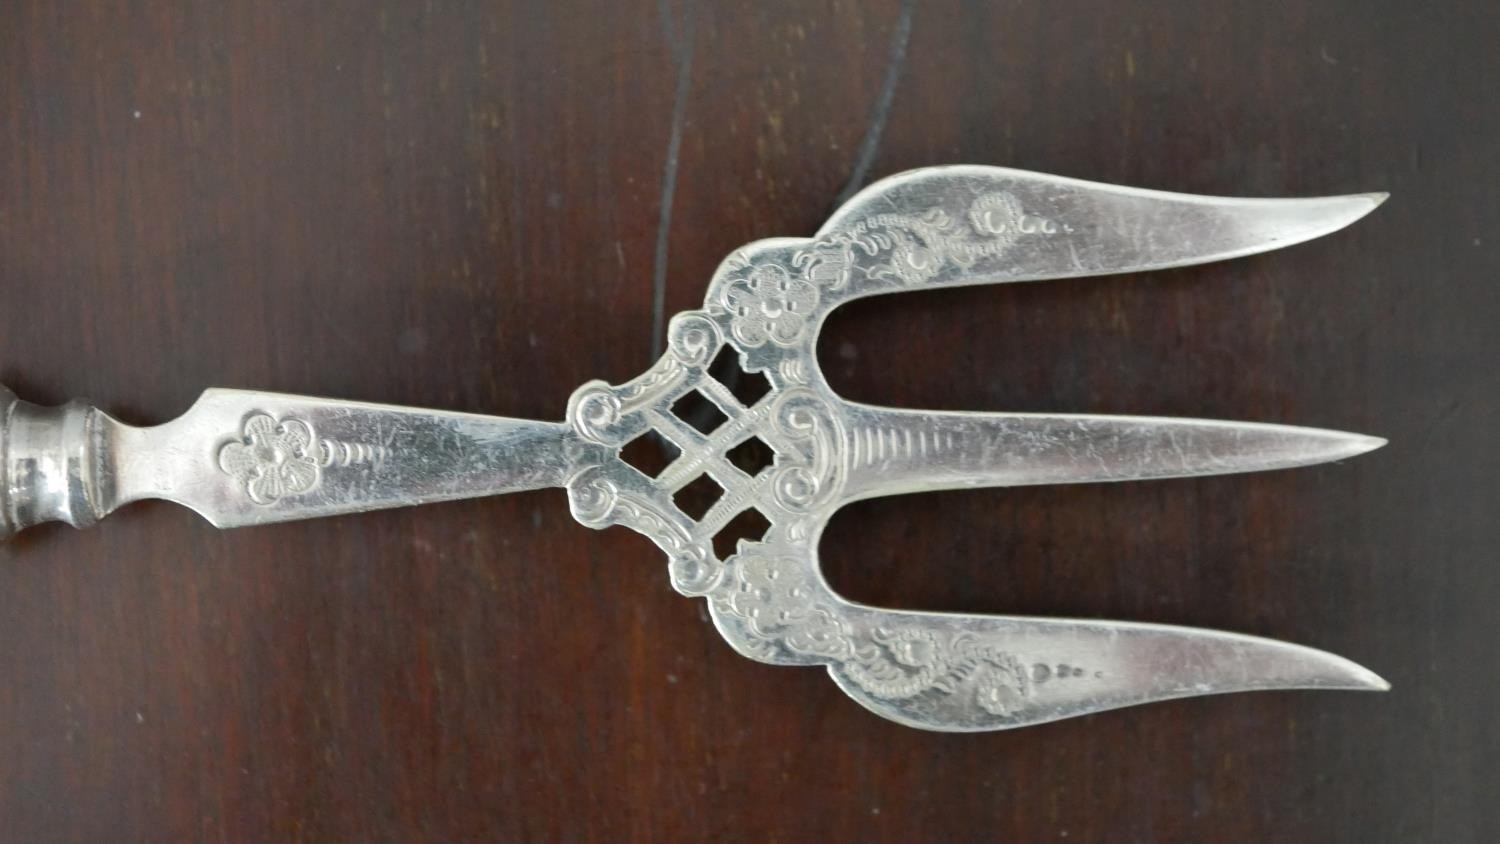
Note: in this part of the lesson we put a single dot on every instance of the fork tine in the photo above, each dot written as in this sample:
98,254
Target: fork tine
894,451
946,226
998,672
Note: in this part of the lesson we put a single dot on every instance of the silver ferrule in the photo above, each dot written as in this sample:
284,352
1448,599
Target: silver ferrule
49,464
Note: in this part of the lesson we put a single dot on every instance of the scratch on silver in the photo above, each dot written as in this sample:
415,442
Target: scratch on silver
290,457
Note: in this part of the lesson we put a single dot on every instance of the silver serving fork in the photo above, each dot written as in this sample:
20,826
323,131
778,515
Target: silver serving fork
243,458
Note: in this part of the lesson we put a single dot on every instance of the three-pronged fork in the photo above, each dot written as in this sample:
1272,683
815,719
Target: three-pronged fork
241,458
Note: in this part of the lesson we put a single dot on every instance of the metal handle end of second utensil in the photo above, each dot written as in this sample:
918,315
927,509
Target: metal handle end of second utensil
51,466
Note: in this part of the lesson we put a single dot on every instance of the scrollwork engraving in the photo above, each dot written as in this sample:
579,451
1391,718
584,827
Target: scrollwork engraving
812,479
916,247
771,300
781,609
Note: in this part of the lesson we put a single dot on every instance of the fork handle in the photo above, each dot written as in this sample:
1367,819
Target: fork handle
242,457
50,464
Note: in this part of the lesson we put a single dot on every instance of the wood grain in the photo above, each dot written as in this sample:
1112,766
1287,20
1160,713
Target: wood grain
462,205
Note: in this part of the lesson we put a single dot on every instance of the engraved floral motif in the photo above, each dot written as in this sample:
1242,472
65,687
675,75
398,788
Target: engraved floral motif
773,596
920,246
915,261
272,459
769,304
996,214
907,662
912,249
770,594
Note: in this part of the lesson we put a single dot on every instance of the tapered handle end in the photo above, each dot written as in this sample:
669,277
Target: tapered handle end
50,467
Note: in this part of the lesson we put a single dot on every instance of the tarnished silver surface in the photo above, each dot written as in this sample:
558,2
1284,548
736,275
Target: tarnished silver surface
243,458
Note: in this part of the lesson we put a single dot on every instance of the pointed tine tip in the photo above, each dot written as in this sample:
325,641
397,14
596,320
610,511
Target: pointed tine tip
1325,445
1323,670
1371,201
1318,216
1358,444
1358,678
1272,664
1355,206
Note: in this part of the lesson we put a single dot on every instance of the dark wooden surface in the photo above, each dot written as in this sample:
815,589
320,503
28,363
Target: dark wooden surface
460,205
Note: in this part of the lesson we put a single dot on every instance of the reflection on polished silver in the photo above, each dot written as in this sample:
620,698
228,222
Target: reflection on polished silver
242,458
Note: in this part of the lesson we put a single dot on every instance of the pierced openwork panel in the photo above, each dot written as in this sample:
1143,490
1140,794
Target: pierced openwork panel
720,443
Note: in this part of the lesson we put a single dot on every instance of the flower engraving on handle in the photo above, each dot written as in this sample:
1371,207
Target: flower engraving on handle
274,459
